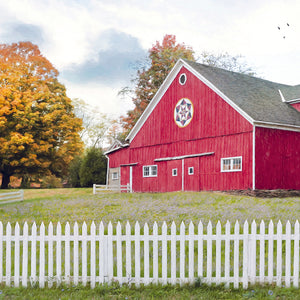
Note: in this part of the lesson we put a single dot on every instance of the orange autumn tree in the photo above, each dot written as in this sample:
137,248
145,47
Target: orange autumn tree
162,57
38,128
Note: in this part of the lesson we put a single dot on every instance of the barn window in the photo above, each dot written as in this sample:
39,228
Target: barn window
115,176
231,164
191,171
150,171
174,172
182,79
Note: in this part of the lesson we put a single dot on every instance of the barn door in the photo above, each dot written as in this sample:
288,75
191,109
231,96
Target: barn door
191,178
126,176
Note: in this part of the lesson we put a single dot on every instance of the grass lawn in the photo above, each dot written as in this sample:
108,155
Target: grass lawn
81,205
149,292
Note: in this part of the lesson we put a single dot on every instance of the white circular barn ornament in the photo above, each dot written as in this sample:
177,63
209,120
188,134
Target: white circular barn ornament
183,112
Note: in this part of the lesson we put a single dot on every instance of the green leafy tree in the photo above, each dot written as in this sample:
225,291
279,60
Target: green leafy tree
93,168
162,58
74,171
39,133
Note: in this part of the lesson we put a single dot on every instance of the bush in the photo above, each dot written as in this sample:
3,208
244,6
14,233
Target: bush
93,168
74,170
51,181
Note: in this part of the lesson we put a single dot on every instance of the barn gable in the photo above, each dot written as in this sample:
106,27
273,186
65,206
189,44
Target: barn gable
187,112
258,101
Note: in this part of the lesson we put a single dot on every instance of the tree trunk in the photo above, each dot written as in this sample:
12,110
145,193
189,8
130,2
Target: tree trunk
5,181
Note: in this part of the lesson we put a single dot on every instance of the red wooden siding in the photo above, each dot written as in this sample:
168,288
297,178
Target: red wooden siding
296,105
125,175
277,159
212,116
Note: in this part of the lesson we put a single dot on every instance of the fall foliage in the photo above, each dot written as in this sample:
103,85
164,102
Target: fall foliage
163,57
38,128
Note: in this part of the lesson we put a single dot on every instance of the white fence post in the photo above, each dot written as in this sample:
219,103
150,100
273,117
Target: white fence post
296,254
25,255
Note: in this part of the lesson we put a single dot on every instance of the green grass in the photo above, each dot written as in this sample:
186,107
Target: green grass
149,292
81,205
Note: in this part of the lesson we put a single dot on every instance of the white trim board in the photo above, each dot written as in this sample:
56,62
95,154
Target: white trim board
183,156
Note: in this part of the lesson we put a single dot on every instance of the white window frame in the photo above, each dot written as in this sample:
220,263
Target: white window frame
174,172
231,159
191,170
152,171
115,176
185,78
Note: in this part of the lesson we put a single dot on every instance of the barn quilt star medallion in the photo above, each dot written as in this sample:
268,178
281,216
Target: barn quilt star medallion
183,112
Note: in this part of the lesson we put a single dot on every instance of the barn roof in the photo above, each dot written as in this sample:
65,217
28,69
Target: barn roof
261,102
258,98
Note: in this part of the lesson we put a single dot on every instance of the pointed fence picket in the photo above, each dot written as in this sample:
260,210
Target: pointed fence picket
235,255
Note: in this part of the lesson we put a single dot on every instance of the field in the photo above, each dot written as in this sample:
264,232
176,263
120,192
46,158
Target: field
80,205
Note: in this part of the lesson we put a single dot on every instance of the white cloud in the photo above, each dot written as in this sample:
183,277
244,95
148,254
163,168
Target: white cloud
104,97
73,34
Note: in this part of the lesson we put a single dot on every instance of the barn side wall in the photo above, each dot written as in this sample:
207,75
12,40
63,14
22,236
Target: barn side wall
277,159
207,169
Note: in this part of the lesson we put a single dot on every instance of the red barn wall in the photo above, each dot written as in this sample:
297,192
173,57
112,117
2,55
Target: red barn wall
277,159
215,127
212,116
296,105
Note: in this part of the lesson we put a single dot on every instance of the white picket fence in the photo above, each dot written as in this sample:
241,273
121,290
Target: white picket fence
97,254
113,188
11,197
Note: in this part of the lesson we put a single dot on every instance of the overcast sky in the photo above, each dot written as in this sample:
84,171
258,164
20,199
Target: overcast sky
95,43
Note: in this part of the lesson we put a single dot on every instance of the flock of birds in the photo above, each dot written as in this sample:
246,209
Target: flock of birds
283,28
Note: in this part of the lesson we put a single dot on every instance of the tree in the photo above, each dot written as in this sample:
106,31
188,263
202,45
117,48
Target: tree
93,168
74,171
38,128
162,58
96,125
226,61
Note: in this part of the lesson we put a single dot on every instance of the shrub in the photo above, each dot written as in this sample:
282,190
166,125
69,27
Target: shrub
74,170
51,181
93,168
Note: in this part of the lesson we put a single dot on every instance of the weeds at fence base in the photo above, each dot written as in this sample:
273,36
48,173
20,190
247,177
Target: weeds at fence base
198,290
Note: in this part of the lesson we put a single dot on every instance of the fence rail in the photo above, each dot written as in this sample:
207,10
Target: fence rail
114,188
11,197
97,254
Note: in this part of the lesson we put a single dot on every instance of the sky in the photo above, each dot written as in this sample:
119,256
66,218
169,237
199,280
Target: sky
96,44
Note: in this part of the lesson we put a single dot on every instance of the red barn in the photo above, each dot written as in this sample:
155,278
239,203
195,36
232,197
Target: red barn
211,129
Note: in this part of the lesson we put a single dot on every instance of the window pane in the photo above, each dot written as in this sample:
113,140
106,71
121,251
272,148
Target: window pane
237,164
153,170
226,164
146,171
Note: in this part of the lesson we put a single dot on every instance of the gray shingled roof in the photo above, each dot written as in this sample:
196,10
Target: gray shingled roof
258,98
